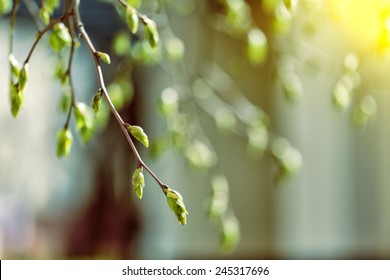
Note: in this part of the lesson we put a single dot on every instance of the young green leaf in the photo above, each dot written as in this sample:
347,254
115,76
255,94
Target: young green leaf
176,203
104,57
138,181
97,100
139,134
64,142
132,19
151,33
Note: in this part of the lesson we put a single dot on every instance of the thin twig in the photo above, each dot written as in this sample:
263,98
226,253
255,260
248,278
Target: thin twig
119,119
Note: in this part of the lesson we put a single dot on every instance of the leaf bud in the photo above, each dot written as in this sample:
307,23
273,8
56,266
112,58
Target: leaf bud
151,33
132,19
176,203
64,142
16,98
138,181
138,133
97,100
23,77
104,57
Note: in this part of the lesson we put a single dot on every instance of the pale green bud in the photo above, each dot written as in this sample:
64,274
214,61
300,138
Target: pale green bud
139,134
14,65
16,98
257,47
5,6
132,19
64,142
151,33
59,37
230,233
104,57
176,203
44,15
84,121
138,181
23,77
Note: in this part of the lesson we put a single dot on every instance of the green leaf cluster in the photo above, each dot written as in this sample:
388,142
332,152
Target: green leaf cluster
18,81
59,37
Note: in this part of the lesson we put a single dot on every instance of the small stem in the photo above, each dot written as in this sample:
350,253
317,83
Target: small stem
15,8
119,119
41,33
68,72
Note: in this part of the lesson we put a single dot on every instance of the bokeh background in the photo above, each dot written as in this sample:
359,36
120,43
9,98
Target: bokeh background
292,136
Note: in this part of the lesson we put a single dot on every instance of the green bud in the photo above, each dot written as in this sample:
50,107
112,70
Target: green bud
97,100
16,98
64,142
342,96
139,134
59,37
257,47
138,181
65,101
14,65
23,77
176,203
84,121
44,15
132,19
5,6
219,198
230,233
175,49
151,33
104,57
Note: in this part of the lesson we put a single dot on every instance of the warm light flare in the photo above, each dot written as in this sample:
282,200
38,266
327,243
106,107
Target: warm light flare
368,21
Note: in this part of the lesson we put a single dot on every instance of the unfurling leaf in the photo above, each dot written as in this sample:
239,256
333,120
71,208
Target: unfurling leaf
132,19
104,57
151,33
16,98
64,142
139,134
138,181
176,203
97,100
